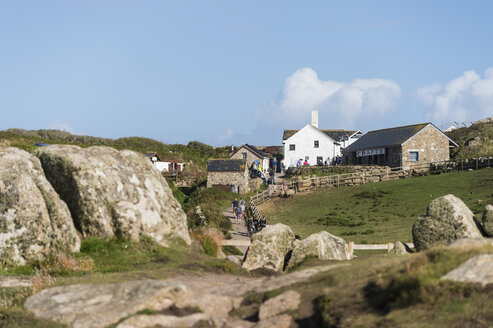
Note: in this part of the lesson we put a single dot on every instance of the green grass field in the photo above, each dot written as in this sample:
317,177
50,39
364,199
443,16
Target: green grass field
379,212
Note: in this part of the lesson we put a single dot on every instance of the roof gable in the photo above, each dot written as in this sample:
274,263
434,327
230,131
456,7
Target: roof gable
252,149
226,165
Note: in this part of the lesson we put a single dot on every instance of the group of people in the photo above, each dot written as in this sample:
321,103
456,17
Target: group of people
253,225
336,160
256,172
239,209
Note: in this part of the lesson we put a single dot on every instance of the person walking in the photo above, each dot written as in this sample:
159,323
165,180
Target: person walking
243,209
274,165
272,177
239,214
235,206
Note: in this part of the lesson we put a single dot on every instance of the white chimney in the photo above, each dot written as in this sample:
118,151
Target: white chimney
315,118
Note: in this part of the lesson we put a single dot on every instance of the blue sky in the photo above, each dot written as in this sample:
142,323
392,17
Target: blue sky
228,72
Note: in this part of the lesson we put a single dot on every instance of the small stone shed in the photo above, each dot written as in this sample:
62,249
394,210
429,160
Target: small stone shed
401,146
228,174
251,153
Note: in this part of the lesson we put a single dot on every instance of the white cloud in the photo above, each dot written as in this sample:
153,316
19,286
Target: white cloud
466,98
340,104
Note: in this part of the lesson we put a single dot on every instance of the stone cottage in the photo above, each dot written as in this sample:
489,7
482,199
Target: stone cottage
250,154
401,146
228,175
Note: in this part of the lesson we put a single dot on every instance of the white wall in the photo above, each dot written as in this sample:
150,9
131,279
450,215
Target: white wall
161,166
304,144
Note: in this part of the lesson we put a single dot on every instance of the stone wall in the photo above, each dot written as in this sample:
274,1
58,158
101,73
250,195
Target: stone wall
237,179
431,145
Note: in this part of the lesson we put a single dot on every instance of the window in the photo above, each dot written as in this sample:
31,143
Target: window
292,147
320,160
413,156
244,155
315,144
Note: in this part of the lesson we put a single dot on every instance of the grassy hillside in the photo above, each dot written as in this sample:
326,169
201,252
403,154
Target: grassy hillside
379,212
195,151
485,133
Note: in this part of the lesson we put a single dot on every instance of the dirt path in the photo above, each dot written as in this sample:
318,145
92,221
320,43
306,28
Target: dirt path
239,231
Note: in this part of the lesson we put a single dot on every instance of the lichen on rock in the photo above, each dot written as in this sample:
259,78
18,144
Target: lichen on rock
447,219
34,221
488,220
114,193
270,247
322,245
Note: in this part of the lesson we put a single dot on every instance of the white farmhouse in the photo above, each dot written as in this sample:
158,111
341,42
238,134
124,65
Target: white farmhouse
314,145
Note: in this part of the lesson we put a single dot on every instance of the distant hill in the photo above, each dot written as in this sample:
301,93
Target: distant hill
475,140
195,152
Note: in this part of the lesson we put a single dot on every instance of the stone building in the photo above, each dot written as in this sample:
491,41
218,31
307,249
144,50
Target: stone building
250,154
401,146
228,175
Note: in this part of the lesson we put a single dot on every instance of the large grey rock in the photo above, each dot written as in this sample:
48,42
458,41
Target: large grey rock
34,221
447,219
111,192
289,300
488,220
478,269
322,245
399,249
269,248
93,306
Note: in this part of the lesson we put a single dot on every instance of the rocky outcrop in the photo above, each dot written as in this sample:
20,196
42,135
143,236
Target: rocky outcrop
447,219
34,221
488,220
287,301
478,269
184,300
322,245
111,192
168,321
93,306
269,248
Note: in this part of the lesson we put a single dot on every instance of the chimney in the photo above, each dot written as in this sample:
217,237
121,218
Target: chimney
315,118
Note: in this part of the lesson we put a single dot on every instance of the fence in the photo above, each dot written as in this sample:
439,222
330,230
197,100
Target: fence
179,176
356,178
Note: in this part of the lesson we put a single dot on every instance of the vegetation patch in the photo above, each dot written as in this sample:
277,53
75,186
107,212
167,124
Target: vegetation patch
379,212
418,280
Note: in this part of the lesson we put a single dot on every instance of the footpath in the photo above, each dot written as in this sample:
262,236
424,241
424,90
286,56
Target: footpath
239,230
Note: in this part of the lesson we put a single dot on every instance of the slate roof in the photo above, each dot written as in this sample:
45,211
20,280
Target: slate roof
334,134
226,165
251,148
386,137
150,155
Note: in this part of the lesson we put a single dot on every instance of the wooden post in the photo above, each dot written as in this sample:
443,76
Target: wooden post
338,177
476,163
389,247
350,247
